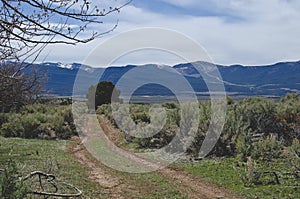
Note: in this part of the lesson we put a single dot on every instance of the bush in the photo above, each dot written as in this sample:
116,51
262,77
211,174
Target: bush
3,118
295,147
170,105
106,110
288,118
40,121
161,139
259,113
250,177
12,186
267,149
12,127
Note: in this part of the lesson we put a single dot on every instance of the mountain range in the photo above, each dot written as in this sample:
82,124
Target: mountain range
267,80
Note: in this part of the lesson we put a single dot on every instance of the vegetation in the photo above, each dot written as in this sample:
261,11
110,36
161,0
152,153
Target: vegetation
254,179
17,92
11,183
257,154
258,151
19,157
255,127
102,93
53,157
39,121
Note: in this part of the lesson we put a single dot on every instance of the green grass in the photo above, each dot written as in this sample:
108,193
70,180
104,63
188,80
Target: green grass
52,157
49,157
229,172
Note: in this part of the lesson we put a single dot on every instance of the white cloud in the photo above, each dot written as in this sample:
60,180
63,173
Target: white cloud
185,3
267,32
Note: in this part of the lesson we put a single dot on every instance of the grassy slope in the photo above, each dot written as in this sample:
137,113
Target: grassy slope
52,157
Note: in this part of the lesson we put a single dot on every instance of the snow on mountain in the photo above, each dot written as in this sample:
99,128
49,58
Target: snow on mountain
68,66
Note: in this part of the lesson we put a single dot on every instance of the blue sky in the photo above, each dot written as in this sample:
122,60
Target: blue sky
247,32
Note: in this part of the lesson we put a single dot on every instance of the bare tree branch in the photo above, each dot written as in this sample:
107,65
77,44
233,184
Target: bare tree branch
28,26
26,23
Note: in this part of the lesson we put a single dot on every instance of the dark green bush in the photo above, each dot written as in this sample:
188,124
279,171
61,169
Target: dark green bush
3,118
13,126
171,105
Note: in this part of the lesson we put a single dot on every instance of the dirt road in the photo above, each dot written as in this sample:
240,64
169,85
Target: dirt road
187,184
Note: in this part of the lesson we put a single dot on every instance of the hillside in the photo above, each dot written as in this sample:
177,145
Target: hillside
268,80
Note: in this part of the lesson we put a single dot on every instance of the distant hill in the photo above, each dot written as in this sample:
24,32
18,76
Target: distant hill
269,80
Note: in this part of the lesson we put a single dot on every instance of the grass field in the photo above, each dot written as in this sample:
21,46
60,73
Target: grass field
53,157
49,157
229,172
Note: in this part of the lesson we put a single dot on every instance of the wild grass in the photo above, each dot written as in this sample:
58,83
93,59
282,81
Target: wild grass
231,173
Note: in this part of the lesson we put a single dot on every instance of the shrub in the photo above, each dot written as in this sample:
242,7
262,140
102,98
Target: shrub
3,118
173,117
267,149
40,121
251,176
11,183
140,117
170,105
295,147
106,110
246,120
12,127
288,118
259,113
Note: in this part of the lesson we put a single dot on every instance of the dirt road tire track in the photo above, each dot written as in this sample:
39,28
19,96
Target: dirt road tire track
188,184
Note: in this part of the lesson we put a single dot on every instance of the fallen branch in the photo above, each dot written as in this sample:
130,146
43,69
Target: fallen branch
39,173
50,178
79,192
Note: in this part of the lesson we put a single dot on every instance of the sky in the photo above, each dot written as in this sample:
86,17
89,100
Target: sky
248,32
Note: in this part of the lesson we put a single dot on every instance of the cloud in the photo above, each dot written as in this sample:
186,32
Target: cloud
263,32
186,3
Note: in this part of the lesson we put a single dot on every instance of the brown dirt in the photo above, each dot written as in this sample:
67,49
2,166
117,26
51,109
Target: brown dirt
188,184
96,174
193,186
